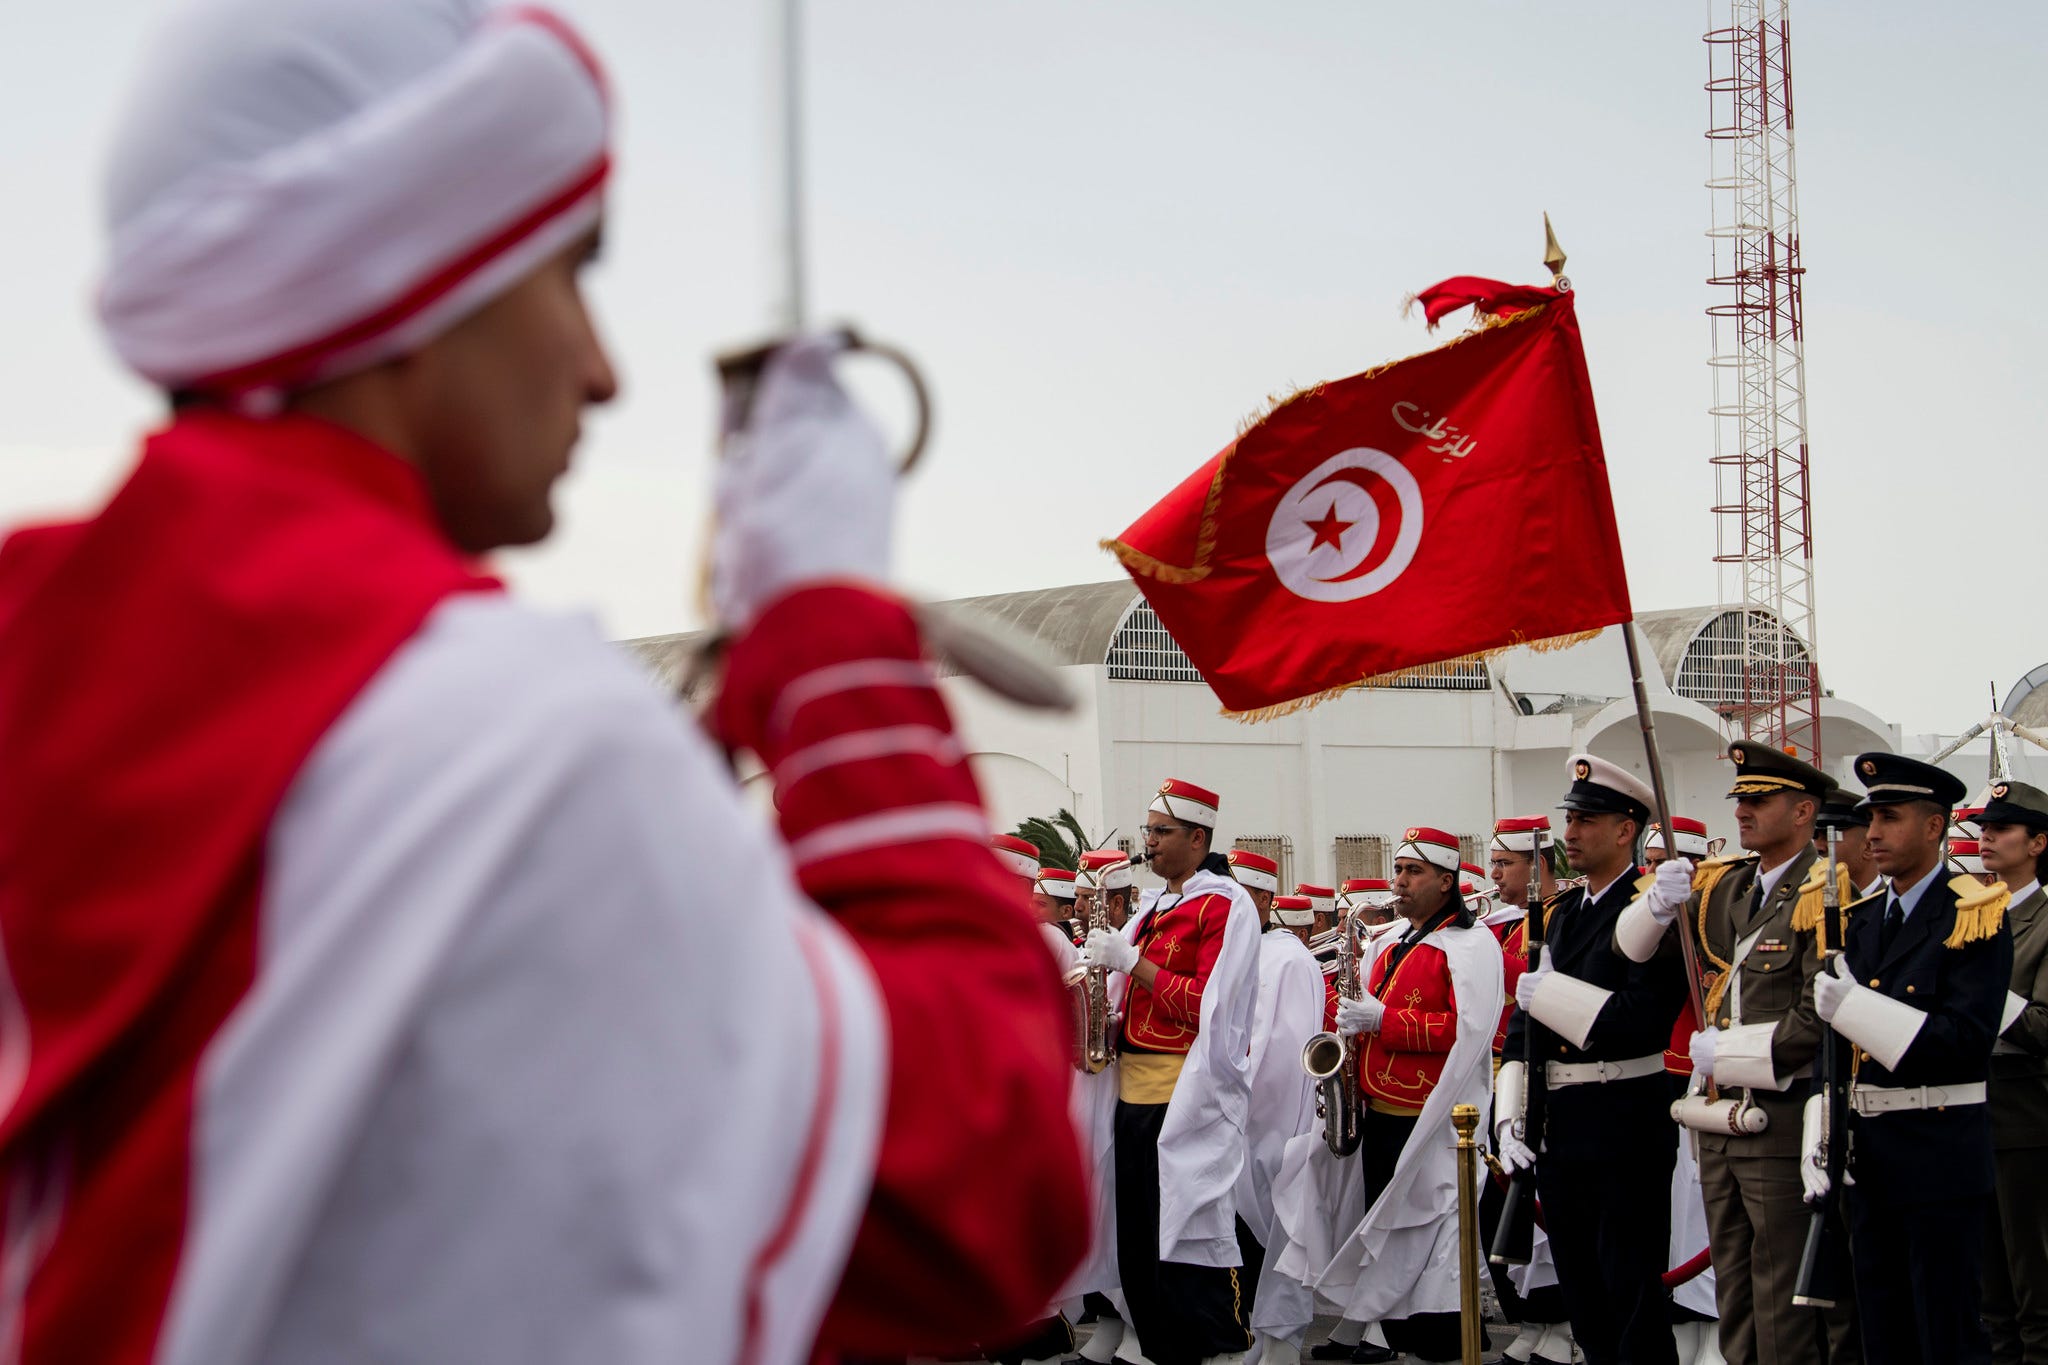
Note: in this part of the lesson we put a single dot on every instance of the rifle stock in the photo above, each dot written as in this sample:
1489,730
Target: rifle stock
1824,1261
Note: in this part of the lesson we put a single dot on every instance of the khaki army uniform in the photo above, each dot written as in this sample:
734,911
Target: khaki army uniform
2016,1263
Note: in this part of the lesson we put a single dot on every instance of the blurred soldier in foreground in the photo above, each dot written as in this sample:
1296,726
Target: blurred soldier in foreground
391,976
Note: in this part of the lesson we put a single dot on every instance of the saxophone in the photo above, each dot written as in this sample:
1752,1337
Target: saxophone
1331,1060
1088,988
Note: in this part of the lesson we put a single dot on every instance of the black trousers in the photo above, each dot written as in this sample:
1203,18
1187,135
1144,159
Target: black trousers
1182,1313
1052,1336
1433,1336
1540,1306
1918,1281
1609,1221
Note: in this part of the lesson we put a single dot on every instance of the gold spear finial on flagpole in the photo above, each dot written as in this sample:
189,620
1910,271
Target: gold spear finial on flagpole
1553,256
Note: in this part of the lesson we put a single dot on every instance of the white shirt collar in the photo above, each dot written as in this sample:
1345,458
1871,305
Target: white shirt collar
2029,889
1769,880
1911,899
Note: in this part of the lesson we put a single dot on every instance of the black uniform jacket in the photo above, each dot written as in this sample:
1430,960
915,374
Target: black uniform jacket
1585,1121
1931,1153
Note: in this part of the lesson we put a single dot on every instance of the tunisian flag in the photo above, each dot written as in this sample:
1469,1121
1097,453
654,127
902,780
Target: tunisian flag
1440,507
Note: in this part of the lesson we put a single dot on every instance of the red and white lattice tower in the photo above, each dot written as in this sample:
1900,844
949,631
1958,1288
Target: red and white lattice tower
1763,525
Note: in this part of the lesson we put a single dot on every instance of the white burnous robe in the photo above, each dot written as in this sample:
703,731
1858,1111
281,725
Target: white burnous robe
458,946
1289,1013
1401,1258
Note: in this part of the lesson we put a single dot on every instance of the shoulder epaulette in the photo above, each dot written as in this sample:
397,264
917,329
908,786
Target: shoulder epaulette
1708,874
1812,902
1980,909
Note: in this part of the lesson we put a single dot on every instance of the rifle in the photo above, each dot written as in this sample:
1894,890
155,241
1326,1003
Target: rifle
1514,1239
1824,1263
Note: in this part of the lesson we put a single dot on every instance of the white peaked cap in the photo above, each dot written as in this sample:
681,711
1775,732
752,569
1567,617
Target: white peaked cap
302,188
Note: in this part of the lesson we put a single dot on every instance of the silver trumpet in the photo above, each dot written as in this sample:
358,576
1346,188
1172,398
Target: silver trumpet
1331,1060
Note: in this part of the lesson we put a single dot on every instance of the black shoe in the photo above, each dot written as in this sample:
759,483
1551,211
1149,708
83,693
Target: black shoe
1330,1350
1365,1353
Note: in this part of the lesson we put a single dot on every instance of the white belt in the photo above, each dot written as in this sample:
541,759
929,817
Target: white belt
1594,1073
1885,1099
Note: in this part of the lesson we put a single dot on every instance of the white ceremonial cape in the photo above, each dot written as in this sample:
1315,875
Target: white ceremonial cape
1402,1258
540,1010
1689,1231
1283,1098
1202,1143
1290,1012
1091,1105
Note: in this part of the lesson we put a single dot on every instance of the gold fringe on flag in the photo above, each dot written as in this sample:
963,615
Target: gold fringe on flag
1980,909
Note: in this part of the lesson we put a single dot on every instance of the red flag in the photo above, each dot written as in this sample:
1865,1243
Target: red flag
1444,506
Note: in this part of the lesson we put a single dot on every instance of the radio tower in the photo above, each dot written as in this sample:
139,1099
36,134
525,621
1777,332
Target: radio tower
1763,526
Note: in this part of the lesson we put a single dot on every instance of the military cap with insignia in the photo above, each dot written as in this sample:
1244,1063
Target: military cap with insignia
1764,768
2015,803
1894,779
1603,788
1838,810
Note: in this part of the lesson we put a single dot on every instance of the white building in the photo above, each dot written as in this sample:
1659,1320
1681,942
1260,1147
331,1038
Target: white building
1326,789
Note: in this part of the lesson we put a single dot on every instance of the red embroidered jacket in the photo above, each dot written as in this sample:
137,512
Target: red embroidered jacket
1184,939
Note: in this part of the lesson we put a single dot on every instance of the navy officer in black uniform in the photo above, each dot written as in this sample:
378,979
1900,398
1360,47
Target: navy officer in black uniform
1917,997
1604,1158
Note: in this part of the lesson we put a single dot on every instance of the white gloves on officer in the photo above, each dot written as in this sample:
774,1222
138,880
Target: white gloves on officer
1107,948
1702,1052
806,490
1831,988
1525,989
1667,893
1359,1016
1512,1152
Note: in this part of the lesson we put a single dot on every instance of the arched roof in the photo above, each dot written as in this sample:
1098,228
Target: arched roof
1672,634
1070,625
2027,702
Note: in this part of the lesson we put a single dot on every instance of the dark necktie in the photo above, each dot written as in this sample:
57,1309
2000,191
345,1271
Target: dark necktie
1756,903
1894,916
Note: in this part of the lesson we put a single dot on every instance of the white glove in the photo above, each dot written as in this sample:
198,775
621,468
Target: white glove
806,490
1359,1016
1511,1150
1525,989
1831,988
1813,1157
1702,1050
1666,896
1107,948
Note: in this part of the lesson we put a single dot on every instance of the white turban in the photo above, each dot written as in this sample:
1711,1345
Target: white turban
301,188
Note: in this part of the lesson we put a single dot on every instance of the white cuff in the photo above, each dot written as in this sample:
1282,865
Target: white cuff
1742,1056
1510,1093
1878,1024
1568,1006
2015,1005
1637,933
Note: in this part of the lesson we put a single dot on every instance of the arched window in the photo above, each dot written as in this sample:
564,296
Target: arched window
1712,669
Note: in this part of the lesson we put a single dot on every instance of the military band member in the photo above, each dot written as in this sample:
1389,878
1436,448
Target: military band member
1183,1066
1520,852
2013,833
1753,919
1425,1023
1689,841
1052,895
1295,914
1323,903
1604,1159
1919,991
1852,840
1289,1013
1104,872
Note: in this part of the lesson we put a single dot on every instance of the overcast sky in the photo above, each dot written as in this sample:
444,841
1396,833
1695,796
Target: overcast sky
1108,229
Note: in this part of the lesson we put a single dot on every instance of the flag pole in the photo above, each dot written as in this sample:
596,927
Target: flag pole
1656,761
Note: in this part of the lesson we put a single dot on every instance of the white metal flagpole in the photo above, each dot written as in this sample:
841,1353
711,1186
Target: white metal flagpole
789,37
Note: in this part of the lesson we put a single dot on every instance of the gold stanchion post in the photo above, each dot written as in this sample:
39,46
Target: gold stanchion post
1465,1119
